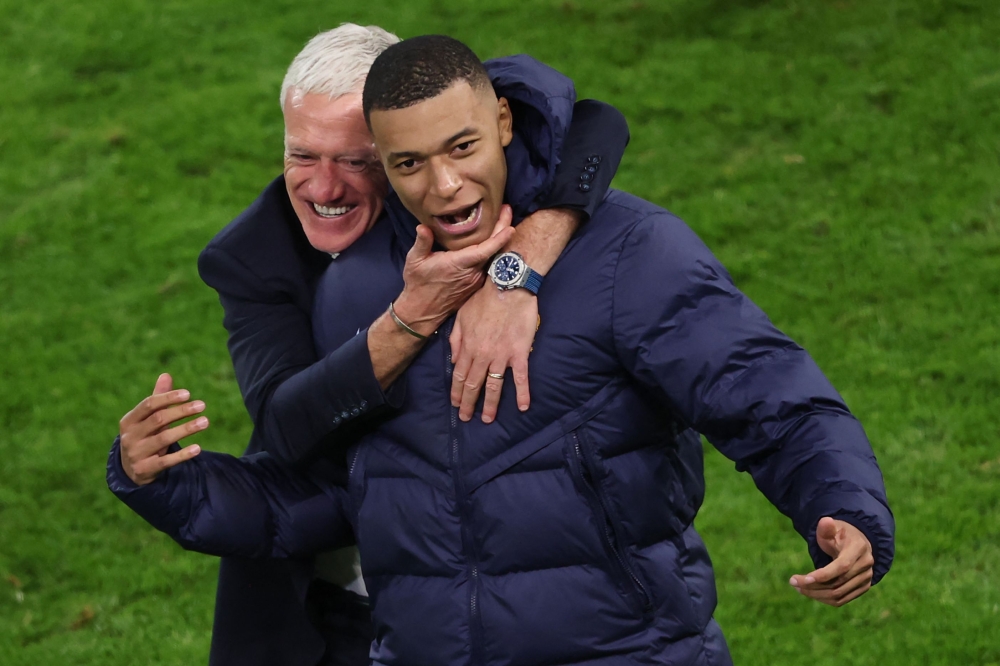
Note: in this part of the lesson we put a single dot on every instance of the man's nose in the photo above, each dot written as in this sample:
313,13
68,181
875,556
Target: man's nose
327,182
446,181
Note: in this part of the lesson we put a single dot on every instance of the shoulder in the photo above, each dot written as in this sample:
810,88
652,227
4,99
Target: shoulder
648,238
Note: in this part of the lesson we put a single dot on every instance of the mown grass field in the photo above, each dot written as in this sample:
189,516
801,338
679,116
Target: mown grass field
841,157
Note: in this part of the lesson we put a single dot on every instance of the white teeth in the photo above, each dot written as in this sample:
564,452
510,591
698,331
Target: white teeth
331,211
467,220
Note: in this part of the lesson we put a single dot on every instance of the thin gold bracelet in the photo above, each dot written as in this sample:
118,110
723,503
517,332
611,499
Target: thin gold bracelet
402,324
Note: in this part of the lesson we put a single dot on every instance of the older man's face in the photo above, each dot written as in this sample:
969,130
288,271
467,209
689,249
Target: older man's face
333,177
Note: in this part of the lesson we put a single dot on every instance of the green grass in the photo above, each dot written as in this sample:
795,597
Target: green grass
841,157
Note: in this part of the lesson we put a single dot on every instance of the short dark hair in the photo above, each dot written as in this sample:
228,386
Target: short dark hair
420,68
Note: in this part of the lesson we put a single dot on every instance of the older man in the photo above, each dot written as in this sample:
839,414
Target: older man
264,266
564,534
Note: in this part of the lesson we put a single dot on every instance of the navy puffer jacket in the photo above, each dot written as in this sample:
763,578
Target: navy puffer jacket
563,535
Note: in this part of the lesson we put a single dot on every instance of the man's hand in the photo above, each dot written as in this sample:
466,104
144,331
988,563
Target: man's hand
437,283
849,575
493,330
145,435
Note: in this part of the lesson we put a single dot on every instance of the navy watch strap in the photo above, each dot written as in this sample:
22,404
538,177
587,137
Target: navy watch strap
534,282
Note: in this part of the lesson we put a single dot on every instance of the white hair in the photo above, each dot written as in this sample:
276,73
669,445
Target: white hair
336,62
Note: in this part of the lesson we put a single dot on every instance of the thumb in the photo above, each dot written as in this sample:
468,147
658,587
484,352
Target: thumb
504,220
826,536
164,383
423,245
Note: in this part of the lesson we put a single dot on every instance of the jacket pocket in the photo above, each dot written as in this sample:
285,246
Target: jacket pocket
585,468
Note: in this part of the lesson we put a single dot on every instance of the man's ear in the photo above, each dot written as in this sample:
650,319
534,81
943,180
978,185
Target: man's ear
505,122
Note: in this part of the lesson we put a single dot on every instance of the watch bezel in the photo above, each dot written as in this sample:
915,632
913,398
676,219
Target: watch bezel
516,280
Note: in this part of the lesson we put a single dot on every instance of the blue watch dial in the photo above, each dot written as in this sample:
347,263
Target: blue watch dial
507,269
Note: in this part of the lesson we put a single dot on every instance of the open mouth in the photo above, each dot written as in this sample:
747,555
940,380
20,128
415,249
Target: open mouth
461,221
332,211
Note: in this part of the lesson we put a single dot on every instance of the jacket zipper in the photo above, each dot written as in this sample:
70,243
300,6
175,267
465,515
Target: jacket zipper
474,620
354,460
610,540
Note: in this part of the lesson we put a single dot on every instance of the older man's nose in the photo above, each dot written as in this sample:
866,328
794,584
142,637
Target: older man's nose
327,183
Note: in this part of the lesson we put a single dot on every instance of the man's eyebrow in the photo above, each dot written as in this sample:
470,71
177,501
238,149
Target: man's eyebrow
410,154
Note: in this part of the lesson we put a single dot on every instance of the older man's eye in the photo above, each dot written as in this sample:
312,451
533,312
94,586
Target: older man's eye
354,165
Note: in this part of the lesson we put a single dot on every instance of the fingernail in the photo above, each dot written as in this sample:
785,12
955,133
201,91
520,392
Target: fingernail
183,394
793,581
197,406
523,408
195,449
487,419
201,422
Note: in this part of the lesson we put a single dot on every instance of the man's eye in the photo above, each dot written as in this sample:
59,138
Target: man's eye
464,146
407,164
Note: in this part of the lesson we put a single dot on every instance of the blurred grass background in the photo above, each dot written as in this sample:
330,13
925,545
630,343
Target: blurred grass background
842,157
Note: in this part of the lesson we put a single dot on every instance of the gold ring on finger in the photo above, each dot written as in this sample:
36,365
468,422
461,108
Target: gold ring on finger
495,375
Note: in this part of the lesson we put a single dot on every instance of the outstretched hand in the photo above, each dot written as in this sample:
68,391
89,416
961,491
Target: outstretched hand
146,435
849,575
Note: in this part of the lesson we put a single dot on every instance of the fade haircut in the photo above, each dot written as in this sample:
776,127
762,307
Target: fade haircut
420,68
336,62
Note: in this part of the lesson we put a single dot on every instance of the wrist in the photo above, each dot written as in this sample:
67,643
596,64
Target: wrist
417,317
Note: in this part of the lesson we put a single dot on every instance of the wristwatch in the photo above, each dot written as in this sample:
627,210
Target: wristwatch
508,271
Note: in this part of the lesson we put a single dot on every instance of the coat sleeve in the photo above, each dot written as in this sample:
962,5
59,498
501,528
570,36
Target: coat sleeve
589,158
684,330
296,400
248,507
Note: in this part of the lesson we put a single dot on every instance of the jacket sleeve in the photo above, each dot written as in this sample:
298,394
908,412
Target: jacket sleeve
296,400
589,158
685,331
248,507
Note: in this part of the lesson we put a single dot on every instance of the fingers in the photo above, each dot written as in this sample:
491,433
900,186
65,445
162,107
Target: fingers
470,389
164,383
423,245
828,536
455,339
151,446
147,470
519,366
504,220
840,595
463,365
151,404
493,386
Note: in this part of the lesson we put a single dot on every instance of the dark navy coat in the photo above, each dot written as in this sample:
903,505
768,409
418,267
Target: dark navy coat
564,534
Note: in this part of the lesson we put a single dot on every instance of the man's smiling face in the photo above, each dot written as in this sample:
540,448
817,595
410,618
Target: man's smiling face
444,157
333,178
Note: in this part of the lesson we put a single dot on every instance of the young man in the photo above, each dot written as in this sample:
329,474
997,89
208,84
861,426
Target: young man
563,534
